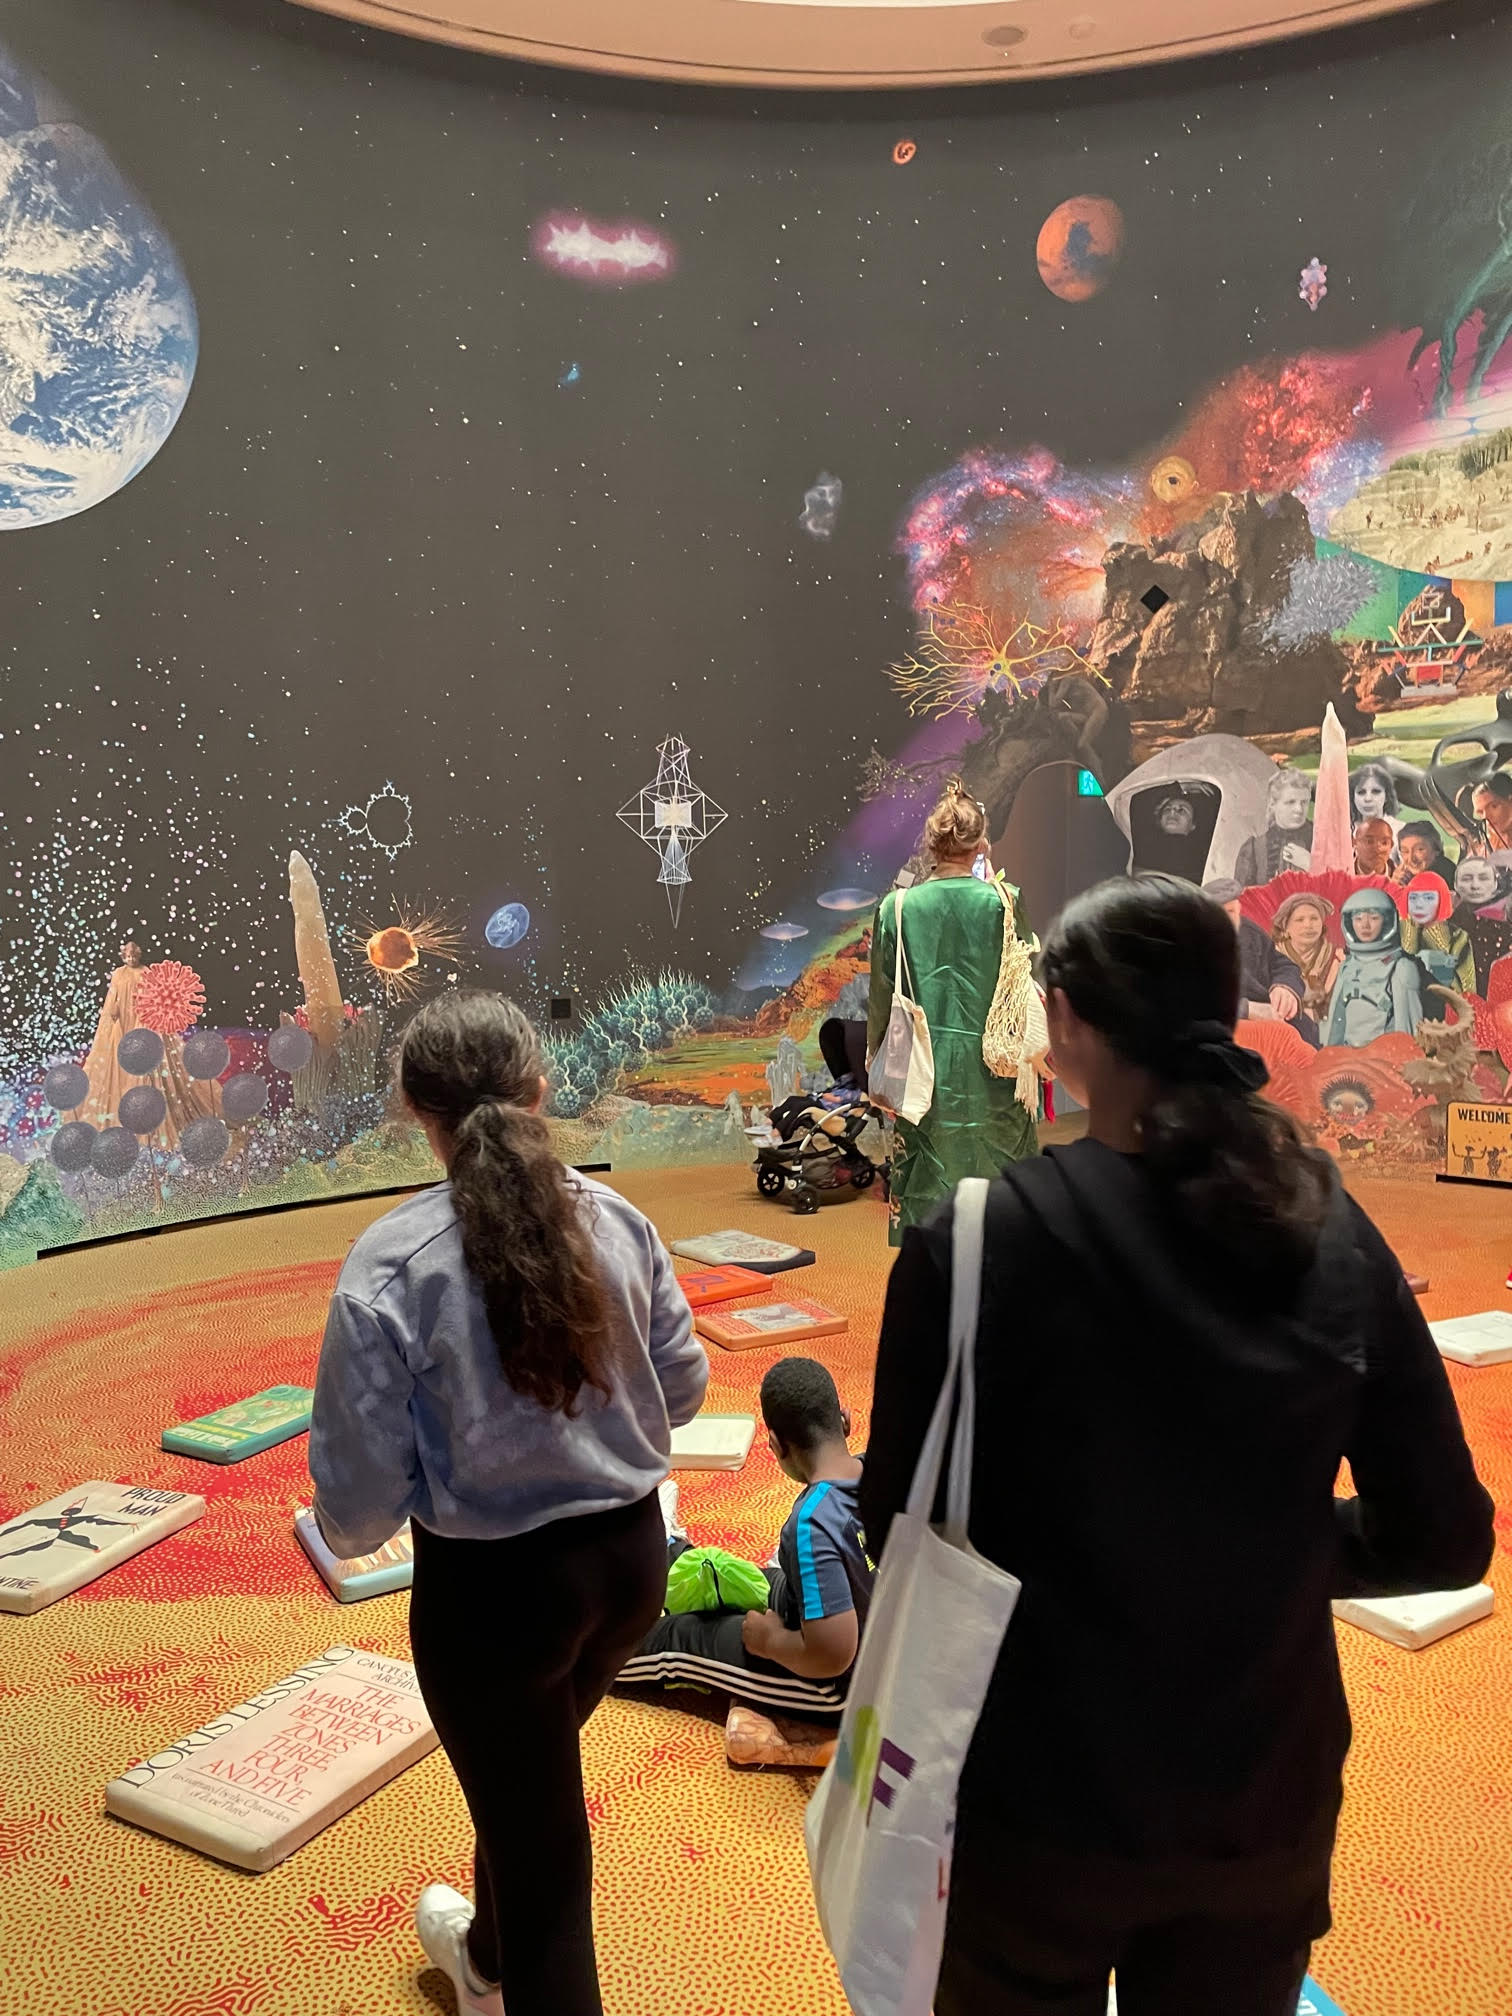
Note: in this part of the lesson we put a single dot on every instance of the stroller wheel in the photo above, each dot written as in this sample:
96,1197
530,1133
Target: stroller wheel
864,1177
805,1199
769,1182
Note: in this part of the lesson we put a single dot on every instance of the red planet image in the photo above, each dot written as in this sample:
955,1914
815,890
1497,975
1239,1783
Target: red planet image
1079,245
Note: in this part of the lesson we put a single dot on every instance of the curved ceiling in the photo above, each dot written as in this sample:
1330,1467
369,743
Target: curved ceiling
858,44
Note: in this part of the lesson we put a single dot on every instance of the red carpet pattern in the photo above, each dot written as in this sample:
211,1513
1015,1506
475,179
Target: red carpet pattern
100,1349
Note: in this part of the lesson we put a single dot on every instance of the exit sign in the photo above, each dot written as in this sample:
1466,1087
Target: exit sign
1087,785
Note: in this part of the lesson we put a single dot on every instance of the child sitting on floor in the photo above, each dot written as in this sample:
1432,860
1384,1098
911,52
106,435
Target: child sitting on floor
794,1657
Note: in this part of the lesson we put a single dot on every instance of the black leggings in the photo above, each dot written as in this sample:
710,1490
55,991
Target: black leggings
515,1643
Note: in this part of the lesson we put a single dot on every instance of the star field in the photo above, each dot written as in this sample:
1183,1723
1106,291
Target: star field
384,545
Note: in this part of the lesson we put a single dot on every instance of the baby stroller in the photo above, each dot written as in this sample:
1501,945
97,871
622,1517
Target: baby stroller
818,1150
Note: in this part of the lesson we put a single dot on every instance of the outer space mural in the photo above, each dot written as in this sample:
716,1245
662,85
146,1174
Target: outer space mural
465,525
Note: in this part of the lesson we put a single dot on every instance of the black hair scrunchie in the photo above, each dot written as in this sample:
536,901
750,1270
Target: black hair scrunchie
1205,1053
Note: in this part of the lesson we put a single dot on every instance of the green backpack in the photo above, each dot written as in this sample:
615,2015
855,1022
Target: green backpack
707,1578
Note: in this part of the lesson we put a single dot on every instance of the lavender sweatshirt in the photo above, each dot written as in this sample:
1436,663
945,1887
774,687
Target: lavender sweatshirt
414,1418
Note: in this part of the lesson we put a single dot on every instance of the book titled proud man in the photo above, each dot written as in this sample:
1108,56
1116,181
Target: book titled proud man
82,1534
262,1779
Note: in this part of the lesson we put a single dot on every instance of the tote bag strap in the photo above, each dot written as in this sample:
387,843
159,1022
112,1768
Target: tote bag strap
900,961
960,1374
965,1307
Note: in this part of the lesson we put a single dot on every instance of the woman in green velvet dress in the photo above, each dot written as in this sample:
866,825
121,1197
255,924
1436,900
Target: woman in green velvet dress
952,948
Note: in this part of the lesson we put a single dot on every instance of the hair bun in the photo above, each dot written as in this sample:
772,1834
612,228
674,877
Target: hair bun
958,824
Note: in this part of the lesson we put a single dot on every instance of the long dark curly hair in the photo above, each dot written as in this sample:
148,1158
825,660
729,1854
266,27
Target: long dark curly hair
472,1062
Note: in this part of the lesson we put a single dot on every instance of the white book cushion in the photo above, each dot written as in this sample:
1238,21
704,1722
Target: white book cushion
82,1534
1415,1621
713,1442
389,1567
1485,1339
743,1249
267,1776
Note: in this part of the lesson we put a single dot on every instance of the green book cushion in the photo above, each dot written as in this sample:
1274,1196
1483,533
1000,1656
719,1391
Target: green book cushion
245,1427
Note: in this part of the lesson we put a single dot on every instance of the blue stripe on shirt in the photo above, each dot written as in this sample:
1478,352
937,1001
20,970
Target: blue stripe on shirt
808,1573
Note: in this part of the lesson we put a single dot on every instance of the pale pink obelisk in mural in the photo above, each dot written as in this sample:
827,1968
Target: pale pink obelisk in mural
1332,845
312,951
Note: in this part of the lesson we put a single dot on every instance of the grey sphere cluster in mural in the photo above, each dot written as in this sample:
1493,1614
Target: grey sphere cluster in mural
97,324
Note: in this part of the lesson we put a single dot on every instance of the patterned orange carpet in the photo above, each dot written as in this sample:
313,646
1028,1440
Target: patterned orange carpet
703,1903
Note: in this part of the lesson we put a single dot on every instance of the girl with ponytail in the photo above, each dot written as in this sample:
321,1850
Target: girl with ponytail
1186,1326
504,1359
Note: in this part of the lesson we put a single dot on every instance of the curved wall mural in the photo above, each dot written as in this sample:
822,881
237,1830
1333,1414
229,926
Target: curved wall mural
605,515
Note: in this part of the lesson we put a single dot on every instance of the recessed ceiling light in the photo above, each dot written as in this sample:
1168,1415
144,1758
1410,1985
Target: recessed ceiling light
1006,37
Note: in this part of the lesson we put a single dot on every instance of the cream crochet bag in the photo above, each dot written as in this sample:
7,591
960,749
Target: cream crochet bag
1016,1041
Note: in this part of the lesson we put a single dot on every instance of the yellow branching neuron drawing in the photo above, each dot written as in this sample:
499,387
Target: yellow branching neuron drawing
960,657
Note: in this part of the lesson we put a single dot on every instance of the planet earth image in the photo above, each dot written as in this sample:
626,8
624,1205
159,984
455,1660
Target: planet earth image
1079,245
98,334
507,926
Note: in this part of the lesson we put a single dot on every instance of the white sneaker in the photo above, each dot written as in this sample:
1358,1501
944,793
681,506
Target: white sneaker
666,1492
442,1918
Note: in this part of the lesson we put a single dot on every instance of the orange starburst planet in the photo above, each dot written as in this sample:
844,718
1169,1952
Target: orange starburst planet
394,951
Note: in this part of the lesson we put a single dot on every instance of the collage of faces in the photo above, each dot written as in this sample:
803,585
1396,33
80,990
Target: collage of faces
1356,954
1346,969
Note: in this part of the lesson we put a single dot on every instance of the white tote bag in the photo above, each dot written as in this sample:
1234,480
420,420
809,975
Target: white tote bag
901,1079
880,1827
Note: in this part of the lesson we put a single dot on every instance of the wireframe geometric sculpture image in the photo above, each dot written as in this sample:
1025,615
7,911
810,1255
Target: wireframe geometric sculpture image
672,815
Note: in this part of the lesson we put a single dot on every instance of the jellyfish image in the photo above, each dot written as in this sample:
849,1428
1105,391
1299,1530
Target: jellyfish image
507,926
784,932
1313,283
847,900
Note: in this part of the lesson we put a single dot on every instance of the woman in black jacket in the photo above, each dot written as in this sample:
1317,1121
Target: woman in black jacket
1185,1325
